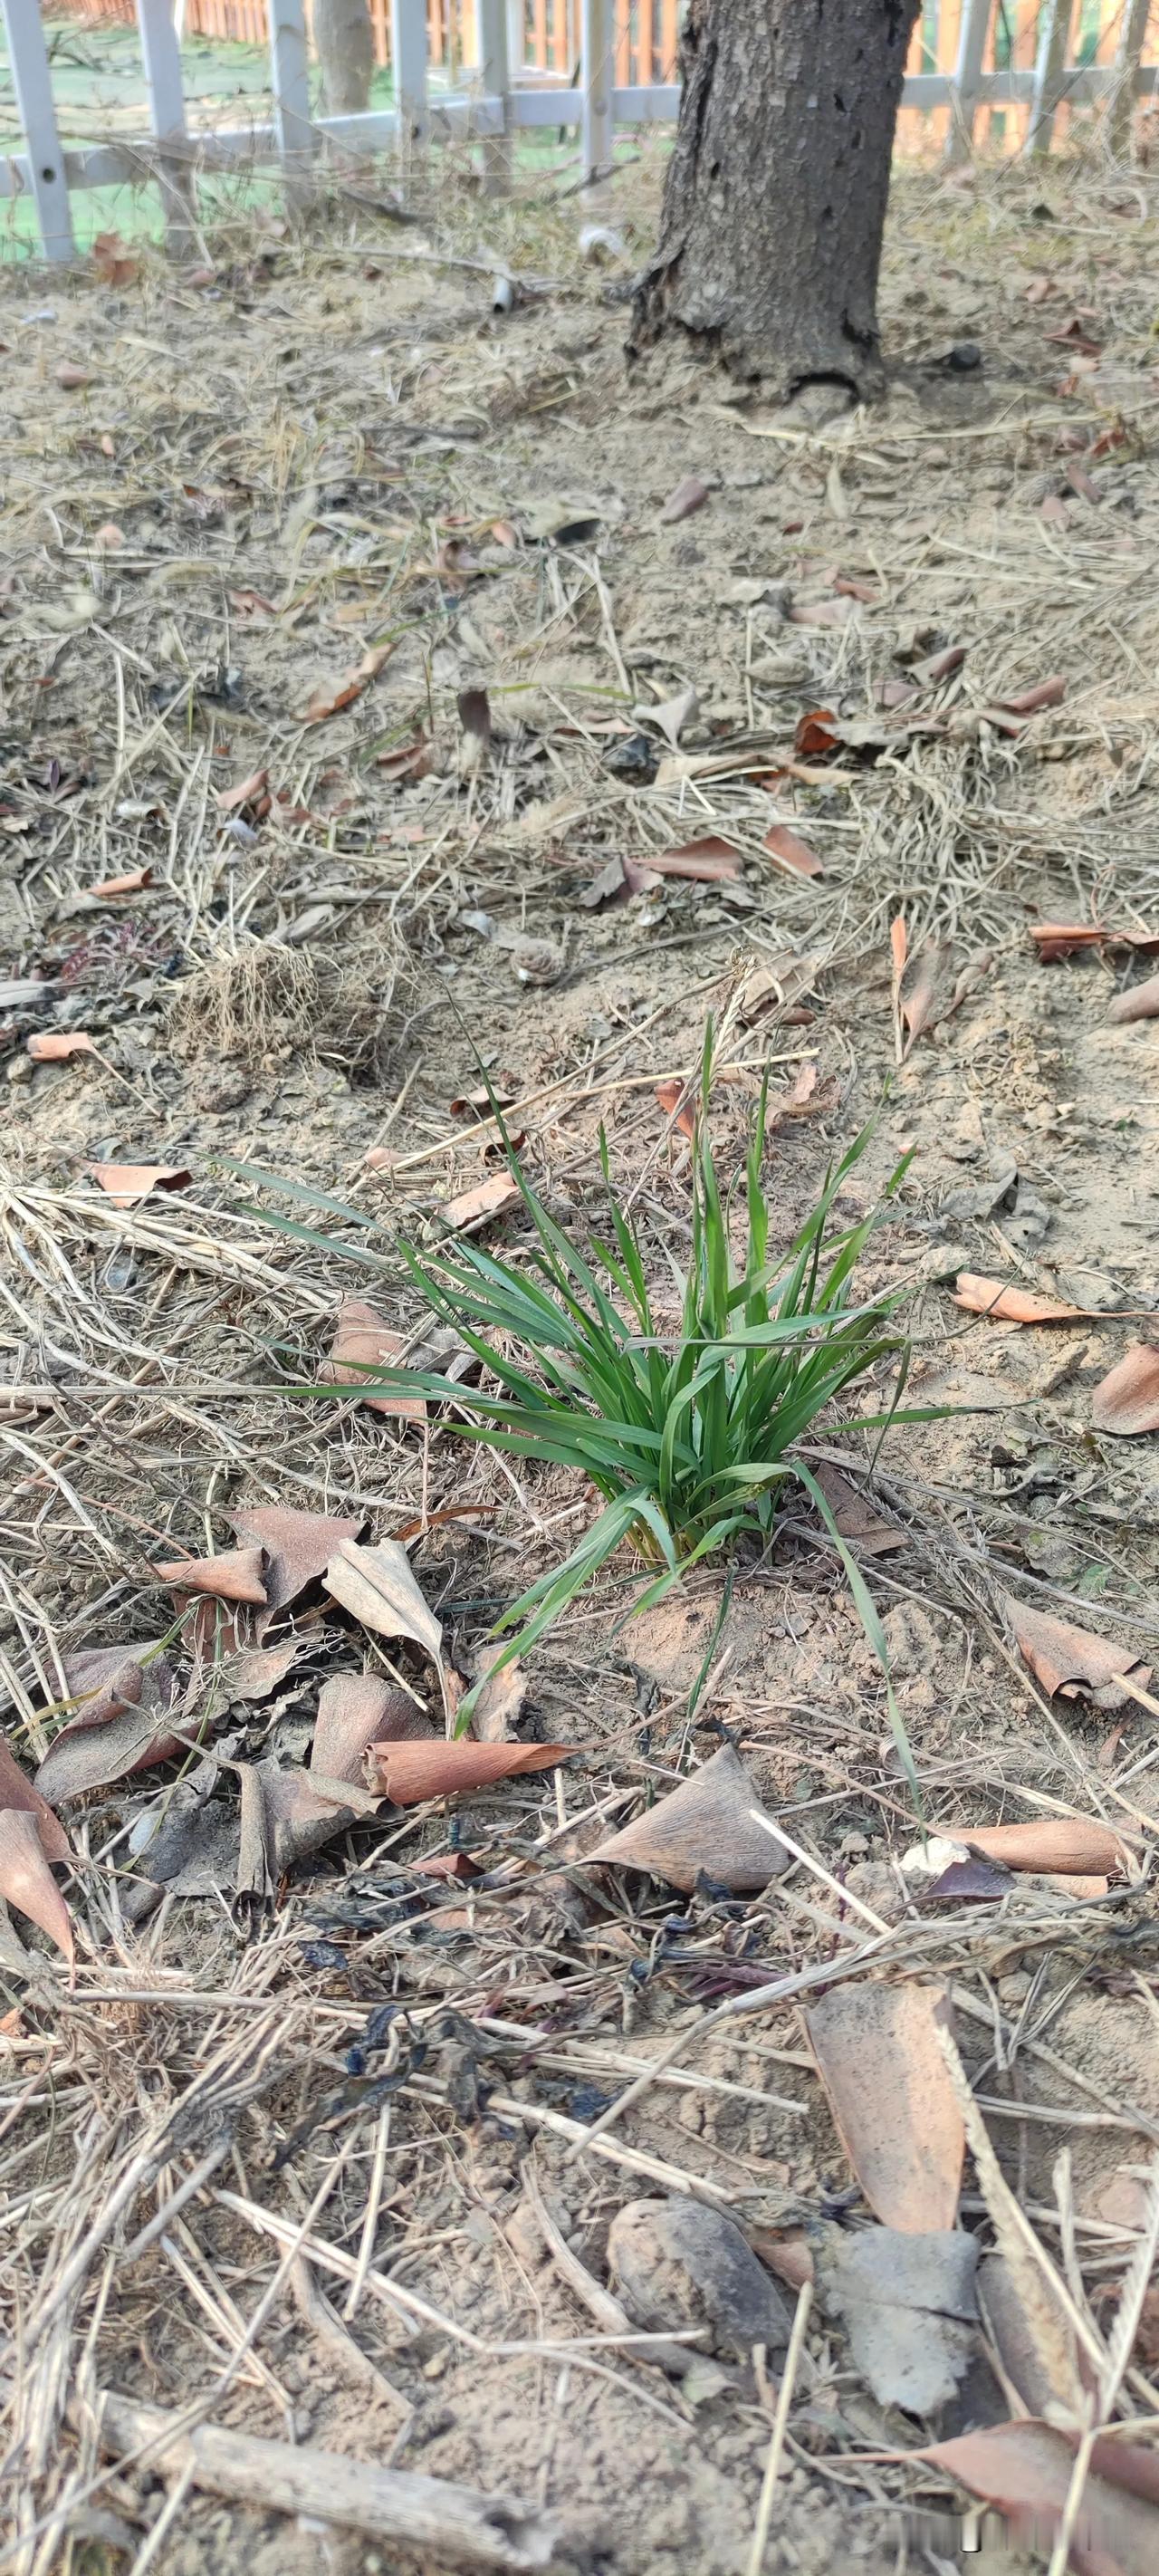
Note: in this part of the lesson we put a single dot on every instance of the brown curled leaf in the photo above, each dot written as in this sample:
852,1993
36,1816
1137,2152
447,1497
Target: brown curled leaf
1127,1401
26,1880
409,1773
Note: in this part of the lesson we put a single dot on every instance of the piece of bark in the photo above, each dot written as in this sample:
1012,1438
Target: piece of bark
450,2523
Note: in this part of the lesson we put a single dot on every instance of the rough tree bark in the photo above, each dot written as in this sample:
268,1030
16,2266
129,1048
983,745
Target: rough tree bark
345,48
774,205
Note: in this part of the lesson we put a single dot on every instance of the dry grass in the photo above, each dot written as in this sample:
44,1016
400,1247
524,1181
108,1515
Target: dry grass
188,2156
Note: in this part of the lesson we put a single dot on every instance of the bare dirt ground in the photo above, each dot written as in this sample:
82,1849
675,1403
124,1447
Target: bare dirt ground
269,529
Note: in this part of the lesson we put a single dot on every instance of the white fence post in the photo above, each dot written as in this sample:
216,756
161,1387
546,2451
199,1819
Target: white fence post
162,58
290,80
28,55
1049,72
596,74
972,34
495,74
408,52
1128,55
516,35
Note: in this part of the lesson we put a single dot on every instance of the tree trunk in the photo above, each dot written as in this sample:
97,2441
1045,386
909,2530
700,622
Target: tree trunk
345,49
774,205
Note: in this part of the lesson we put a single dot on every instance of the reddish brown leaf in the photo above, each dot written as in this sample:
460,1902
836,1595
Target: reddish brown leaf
1071,1847
54,1046
1053,509
1072,1660
455,1864
495,1196
848,588
689,495
834,611
114,263
815,734
356,1710
791,852
855,1516
133,882
898,946
919,1007
710,861
26,1881
1127,1400
1105,442
500,1698
669,1096
248,791
16,1791
1057,938
329,701
363,1343
127,1183
939,666
981,1296
1047,693
1139,1002
298,1548
409,1773
409,760
122,1723
1024,2469
892,2100
234,1576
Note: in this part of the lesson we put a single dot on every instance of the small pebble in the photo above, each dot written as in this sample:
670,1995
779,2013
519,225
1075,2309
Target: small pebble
678,2263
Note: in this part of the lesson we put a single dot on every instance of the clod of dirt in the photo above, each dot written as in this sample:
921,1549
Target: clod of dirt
678,2263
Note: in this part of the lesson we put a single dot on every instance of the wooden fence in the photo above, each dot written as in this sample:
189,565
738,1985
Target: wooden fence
506,64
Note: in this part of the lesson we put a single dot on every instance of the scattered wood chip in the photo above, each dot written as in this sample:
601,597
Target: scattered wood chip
134,881
128,1183
705,1827
1071,1660
1126,1402
409,1773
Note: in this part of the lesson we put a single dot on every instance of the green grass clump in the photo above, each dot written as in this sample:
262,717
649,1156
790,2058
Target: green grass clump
688,1436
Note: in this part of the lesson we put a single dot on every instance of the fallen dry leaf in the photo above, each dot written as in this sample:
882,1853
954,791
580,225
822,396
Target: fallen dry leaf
454,1864
134,881
495,1196
834,611
982,1296
500,1698
1029,2337
710,861
127,1183
1069,1846
855,1516
123,1722
54,1046
113,261
377,1586
1140,1002
791,852
71,376
1071,1660
689,495
671,715
16,1791
892,2099
252,1672
920,1006
362,1343
109,538
356,1710
910,2311
248,791
1047,693
1126,1402
815,734
330,701
409,760
1058,938
1025,2469
26,1880
234,1576
409,1773
298,1548
705,1827
669,1096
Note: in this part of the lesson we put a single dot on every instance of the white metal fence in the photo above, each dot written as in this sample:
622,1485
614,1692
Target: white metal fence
494,103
